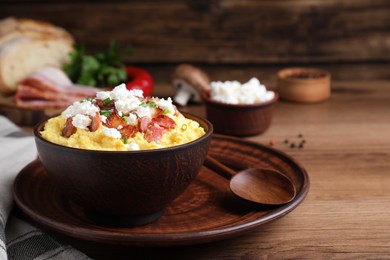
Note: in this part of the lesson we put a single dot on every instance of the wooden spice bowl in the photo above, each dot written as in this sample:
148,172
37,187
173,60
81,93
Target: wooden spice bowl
305,85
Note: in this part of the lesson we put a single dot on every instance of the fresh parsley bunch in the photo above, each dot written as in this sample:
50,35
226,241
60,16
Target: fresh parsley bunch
105,69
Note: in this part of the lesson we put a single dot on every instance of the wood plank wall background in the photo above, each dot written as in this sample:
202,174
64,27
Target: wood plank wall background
350,38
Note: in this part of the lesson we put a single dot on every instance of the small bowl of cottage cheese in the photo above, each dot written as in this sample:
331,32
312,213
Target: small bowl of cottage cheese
239,109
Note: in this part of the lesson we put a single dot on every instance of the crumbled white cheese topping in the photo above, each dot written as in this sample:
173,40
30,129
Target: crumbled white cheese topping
128,101
131,119
103,118
132,147
126,105
143,111
111,132
120,93
129,105
233,92
166,105
83,107
103,95
81,121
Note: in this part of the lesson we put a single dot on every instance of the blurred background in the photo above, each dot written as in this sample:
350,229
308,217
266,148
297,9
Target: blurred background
230,39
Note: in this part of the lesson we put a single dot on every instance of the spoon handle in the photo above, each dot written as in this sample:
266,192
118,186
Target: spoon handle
218,167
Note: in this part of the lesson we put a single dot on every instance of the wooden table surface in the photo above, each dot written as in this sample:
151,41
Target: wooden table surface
346,214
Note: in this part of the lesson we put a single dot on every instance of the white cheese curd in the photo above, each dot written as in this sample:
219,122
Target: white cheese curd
120,93
81,121
138,93
131,119
233,92
103,95
143,111
126,105
84,107
166,105
132,147
111,132
103,118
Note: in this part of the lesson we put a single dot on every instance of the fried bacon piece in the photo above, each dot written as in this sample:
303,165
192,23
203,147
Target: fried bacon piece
164,121
102,104
114,120
96,122
128,131
143,123
69,128
157,127
154,133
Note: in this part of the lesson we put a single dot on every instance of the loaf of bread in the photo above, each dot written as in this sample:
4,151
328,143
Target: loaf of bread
27,46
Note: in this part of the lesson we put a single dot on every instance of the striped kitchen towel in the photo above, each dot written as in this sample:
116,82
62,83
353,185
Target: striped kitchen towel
18,239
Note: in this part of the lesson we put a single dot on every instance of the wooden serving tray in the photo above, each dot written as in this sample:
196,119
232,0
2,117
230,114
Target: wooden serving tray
23,116
207,211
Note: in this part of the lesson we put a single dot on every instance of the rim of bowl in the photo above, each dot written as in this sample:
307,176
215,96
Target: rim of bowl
206,97
196,118
285,73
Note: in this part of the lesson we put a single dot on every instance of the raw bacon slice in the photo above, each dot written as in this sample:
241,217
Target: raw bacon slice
50,88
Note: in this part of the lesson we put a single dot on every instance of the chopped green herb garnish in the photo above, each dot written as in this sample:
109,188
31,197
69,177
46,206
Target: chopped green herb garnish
123,118
87,99
183,127
107,101
142,104
125,140
152,104
105,113
166,111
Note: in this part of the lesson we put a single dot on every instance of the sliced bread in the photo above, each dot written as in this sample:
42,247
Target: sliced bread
11,28
28,45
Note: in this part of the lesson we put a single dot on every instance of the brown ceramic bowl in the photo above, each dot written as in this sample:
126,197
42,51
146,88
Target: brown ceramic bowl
239,120
305,85
124,188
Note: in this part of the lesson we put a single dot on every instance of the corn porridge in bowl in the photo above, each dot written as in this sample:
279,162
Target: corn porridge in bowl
123,157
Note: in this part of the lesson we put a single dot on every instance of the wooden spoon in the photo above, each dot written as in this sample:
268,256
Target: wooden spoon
259,185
